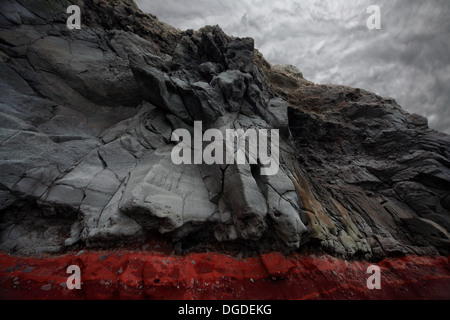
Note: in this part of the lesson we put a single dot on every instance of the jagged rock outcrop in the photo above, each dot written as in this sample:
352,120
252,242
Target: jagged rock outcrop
87,118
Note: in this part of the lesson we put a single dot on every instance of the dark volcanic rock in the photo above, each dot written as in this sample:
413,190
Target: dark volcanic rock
369,159
85,141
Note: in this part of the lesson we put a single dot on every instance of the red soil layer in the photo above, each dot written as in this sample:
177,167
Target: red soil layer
147,275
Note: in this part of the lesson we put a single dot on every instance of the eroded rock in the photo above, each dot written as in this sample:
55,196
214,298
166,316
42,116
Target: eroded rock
85,144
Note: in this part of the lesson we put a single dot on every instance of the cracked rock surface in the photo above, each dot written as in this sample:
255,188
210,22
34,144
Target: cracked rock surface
87,118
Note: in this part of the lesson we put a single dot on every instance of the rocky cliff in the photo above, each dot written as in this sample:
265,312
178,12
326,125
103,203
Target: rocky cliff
86,123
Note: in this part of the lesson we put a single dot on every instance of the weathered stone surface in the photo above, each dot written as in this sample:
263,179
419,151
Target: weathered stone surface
85,144
388,170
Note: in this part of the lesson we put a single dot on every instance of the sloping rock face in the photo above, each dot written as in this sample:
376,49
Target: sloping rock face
88,116
371,163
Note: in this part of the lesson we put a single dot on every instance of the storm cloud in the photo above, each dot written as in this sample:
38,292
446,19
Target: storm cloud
408,59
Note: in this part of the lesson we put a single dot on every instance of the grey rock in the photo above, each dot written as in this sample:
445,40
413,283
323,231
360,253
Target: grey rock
233,87
87,116
209,70
433,232
277,116
246,200
239,55
154,86
165,196
46,287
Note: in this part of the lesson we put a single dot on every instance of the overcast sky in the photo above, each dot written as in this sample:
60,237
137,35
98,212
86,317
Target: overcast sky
328,40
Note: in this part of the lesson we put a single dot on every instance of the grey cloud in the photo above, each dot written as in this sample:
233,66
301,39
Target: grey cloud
408,59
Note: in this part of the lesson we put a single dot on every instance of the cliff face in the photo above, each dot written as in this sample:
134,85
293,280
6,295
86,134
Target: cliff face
86,123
